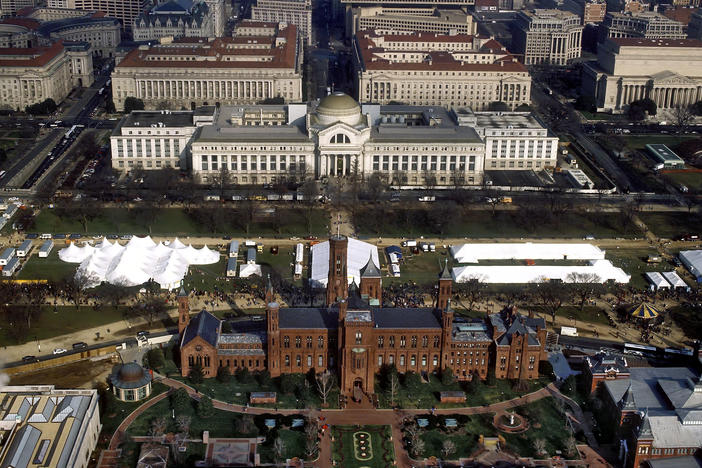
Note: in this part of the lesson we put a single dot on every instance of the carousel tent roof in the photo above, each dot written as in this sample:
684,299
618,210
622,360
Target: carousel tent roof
644,311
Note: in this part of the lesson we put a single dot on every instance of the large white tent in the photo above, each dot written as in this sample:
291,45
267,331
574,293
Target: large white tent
657,280
472,253
536,273
674,279
357,256
135,263
692,259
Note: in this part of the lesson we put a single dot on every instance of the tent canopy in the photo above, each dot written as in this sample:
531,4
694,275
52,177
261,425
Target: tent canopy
519,274
674,279
356,258
644,311
472,253
657,280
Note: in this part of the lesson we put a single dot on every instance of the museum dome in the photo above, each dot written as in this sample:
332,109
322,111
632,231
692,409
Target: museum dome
338,107
131,372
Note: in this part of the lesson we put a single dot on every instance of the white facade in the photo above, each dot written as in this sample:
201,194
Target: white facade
152,140
438,70
195,72
550,37
384,19
297,12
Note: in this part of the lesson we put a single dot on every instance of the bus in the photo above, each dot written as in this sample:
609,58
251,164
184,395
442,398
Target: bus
102,90
639,350
72,130
2,174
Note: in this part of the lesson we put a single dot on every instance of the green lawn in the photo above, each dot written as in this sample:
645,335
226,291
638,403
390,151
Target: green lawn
483,224
589,314
422,268
640,141
61,320
170,222
465,436
50,268
111,421
633,261
669,225
347,446
547,422
689,319
597,115
692,180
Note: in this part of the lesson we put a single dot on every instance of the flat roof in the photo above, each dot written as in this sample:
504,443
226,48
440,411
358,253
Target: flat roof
148,118
663,154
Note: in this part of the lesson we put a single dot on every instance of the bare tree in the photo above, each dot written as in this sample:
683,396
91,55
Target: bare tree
429,179
150,309
278,449
584,286
472,290
312,438
552,295
393,387
400,177
310,191
375,186
158,427
683,116
448,448
540,446
571,446
183,422
325,384
417,446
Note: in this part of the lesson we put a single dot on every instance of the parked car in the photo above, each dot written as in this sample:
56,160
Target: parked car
30,359
112,236
60,351
32,235
80,345
75,236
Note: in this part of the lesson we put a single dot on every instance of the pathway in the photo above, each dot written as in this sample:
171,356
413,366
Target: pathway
579,416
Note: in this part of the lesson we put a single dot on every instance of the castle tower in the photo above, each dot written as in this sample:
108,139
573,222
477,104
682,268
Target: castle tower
273,338
183,310
337,281
446,333
270,295
444,288
371,283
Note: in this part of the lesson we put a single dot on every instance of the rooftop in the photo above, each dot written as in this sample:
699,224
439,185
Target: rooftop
156,118
641,42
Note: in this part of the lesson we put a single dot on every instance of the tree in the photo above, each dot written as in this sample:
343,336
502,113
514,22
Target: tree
158,426
539,446
148,212
155,358
205,408
429,179
393,384
223,374
584,286
325,384
243,376
448,448
417,447
311,438
639,109
278,449
183,422
472,290
571,446
498,106
288,383
132,104
150,309
375,186
196,375
697,108
180,400
245,425
447,377
585,102
683,116
42,108
552,295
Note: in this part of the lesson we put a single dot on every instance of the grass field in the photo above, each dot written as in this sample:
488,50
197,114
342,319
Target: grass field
61,320
50,268
465,438
669,225
381,447
168,221
689,319
633,261
640,141
547,423
692,180
483,224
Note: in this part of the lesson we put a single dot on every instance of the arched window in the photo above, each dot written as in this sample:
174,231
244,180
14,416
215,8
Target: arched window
359,337
340,138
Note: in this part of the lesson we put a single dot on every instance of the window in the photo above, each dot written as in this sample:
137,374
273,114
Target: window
391,341
381,341
320,361
380,360
287,359
298,360
340,138
425,341
309,341
402,342
424,360
286,342
359,337
435,361
414,341
413,360
436,341
391,359
298,342
320,342
402,360
309,360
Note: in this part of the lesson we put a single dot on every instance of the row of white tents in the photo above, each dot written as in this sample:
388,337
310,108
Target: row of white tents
665,280
137,262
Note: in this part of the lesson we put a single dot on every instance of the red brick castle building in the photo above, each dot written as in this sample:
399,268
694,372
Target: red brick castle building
354,335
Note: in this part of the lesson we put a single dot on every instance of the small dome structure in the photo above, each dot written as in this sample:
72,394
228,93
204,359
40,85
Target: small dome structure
338,107
131,382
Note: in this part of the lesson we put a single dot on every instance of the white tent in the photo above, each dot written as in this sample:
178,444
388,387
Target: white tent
536,273
137,262
472,253
176,244
692,259
674,279
357,255
75,254
248,269
299,253
657,280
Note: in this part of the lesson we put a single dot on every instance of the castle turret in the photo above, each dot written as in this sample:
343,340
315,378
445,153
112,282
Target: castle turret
273,338
337,280
183,310
445,287
371,283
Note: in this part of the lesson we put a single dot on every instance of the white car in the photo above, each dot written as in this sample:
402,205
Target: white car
60,350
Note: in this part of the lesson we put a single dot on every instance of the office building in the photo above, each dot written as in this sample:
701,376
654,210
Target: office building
389,20
646,24
124,10
668,71
694,27
438,70
43,426
297,12
170,19
262,61
548,37
10,7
